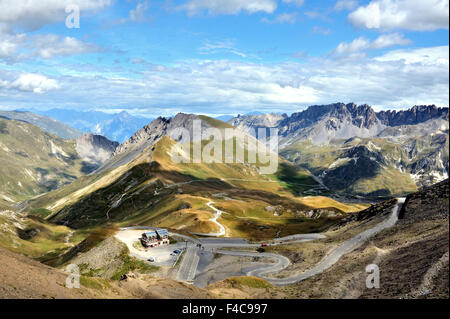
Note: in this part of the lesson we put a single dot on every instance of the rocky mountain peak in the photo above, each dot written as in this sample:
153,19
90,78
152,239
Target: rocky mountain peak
415,115
323,122
95,149
158,128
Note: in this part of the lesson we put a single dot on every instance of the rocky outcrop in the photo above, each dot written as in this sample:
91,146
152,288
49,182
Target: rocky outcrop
362,116
322,123
152,133
318,123
251,123
158,128
415,115
95,149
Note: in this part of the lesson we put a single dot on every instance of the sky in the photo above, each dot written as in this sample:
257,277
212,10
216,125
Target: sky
218,57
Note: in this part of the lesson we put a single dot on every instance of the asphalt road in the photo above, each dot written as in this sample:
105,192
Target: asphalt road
189,264
335,255
191,258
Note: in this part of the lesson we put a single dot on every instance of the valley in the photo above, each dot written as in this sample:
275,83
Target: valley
331,205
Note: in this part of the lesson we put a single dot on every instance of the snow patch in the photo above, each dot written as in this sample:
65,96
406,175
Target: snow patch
9,199
339,162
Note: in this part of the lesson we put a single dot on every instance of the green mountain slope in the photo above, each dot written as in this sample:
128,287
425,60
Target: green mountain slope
33,162
152,190
375,166
45,123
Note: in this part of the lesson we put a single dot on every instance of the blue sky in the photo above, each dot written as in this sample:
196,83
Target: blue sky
223,56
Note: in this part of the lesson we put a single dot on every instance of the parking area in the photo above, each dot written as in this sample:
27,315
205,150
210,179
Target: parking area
162,254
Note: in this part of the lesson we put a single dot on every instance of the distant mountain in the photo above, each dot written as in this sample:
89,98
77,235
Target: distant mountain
142,182
416,115
154,131
248,122
353,149
117,127
322,123
95,149
224,118
46,123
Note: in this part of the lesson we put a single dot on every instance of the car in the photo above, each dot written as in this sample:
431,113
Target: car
151,259
176,251
263,245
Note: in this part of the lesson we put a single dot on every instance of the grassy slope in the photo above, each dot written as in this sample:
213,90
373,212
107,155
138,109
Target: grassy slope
325,202
144,200
33,161
49,239
318,158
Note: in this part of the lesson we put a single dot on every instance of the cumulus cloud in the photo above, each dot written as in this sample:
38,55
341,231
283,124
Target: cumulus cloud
20,47
30,82
362,43
193,7
32,15
50,45
417,15
426,56
10,43
420,77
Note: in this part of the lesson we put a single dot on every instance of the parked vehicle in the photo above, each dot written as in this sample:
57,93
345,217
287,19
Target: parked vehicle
151,259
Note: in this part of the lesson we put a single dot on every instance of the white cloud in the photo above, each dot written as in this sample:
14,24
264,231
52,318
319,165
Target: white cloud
35,83
138,14
437,56
50,45
32,15
362,44
398,78
417,15
298,3
19,47
389,40
290,18
345,5
193,7
10,43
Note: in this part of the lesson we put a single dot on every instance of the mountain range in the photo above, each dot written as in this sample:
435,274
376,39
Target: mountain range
67,200
34,161
46,123
353,149
115,126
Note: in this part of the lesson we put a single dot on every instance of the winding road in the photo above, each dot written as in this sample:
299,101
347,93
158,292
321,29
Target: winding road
189,263
346,247
217,214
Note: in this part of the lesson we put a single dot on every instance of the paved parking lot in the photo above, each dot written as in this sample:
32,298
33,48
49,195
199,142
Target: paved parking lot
162,253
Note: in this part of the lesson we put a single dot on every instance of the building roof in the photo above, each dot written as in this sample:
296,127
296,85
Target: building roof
162,232
150,233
